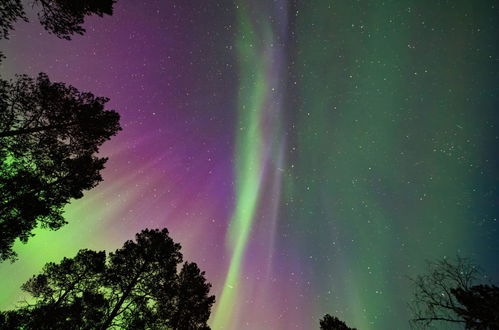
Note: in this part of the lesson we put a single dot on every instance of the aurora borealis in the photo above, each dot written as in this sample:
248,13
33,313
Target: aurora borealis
308,155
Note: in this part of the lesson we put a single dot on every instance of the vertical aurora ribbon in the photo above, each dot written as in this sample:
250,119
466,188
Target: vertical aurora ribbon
259,149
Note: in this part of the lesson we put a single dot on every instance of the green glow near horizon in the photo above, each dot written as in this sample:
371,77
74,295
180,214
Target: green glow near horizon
248,163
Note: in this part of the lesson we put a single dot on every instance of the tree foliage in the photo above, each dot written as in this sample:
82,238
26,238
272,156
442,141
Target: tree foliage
329,322
49,135
136,287
448,293
481,306
10,12
63,18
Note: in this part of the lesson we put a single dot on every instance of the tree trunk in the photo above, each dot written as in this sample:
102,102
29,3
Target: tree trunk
125,295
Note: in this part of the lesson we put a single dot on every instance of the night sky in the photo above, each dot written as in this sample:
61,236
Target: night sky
308,155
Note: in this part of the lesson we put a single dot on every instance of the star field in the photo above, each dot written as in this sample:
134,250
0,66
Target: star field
309,156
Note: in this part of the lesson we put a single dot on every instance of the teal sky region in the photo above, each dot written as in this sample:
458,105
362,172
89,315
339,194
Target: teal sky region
396,116
309,155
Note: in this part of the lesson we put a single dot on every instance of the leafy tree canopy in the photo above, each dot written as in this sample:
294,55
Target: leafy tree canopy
49,135
63,18
138,286
10,12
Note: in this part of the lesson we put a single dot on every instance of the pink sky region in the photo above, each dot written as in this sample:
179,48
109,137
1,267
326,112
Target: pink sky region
309,156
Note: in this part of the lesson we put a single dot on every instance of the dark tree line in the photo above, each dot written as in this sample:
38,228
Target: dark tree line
138,286
49,135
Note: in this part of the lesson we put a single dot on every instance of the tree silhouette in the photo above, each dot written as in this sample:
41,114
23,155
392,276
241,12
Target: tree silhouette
447,293
136,287
481,306
10,12
63,18
329,322
49,135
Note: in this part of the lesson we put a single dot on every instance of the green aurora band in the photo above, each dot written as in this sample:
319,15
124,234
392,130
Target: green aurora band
249,166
